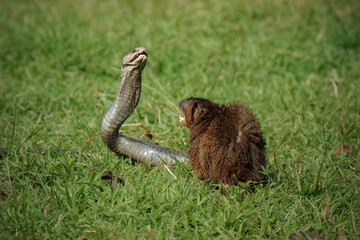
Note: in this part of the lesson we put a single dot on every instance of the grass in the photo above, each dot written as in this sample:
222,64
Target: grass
296,63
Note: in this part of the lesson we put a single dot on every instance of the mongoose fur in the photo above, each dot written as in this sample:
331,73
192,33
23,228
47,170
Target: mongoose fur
226,141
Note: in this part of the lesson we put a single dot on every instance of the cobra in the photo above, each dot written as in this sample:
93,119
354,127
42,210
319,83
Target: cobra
126,101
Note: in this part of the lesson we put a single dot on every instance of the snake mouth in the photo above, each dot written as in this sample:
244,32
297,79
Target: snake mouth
142,53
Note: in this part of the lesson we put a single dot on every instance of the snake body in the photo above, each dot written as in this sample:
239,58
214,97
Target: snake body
124,104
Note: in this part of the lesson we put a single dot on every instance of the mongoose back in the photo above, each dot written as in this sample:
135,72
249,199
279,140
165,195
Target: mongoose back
226,141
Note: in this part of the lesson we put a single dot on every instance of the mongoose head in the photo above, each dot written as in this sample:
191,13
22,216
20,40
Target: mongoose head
197,111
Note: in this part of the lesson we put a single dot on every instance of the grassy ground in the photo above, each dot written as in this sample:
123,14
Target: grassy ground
296,63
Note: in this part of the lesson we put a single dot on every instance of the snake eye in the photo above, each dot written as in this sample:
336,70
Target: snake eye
134,50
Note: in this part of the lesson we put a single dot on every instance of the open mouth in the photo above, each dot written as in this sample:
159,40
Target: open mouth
182,106
143,53
181,119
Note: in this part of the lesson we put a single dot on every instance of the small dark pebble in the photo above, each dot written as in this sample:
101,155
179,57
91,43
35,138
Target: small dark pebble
5,178
115,180
3,196
107,175
343,149
305,236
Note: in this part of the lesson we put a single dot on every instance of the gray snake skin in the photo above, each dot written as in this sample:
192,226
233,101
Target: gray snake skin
124,104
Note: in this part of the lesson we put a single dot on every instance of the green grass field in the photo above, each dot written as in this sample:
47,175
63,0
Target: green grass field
295,63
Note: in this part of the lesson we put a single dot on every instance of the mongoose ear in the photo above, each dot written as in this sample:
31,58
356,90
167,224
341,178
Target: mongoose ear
200,112
194,111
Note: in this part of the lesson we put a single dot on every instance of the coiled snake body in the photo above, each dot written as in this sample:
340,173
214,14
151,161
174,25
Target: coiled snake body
124,104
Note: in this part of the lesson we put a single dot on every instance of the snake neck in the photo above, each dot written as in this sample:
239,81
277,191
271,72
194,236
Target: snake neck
124,104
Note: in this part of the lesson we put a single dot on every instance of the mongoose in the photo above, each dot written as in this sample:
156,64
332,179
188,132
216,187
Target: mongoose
226,141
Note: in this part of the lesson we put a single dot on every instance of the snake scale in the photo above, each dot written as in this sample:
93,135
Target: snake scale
126,101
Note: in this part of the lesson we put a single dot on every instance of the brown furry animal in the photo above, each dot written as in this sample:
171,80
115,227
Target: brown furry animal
226,142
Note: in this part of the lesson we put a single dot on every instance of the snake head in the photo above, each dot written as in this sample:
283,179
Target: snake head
136,59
